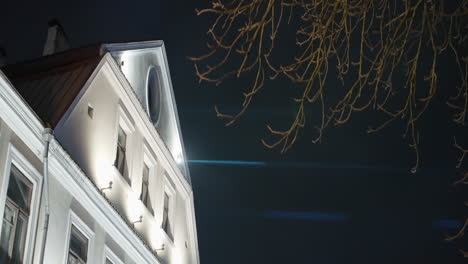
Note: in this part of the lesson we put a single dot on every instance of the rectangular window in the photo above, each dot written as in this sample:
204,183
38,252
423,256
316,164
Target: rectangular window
110,257
145,196
78,247
15,218
121,159
166,224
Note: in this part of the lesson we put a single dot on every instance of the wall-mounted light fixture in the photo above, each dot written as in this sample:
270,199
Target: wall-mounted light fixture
108,187
140,219
163,247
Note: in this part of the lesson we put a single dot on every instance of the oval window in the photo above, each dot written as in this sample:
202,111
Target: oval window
153,94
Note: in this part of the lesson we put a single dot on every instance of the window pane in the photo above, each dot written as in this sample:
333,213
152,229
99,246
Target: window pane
19,189
166,202
20,239
166,220
154,94
120,159
145,173
7,228
15,218
122,138
78,245
145,196
144,193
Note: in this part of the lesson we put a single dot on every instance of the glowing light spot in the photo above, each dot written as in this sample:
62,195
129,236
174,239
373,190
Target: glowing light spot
177,256
104,173
134,207
156,238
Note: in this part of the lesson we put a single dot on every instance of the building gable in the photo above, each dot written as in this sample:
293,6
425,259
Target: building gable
145,66
52,83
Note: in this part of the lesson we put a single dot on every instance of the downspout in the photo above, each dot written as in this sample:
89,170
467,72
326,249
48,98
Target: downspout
47,136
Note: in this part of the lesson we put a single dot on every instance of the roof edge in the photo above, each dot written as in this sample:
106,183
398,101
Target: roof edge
142,45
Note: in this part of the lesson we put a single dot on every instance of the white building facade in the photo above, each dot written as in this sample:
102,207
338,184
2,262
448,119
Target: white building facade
92,163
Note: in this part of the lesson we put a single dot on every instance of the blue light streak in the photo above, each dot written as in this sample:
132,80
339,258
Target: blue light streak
309,165
448,224
283,164
306,216
230,162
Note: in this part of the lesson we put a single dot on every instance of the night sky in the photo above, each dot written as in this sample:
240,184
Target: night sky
350,199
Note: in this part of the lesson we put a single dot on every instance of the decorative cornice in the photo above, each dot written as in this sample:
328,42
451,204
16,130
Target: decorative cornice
16,113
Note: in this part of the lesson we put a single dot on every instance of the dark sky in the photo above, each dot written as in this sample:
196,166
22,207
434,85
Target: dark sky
350,199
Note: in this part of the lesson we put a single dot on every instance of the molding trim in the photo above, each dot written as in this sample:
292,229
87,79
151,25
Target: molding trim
142,45
17,115
124,120
109,254
192,227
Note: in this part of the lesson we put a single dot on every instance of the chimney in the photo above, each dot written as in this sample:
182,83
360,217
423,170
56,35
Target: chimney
3,57
57,40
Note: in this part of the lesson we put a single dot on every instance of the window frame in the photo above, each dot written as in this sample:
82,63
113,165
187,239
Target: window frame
82,237
172,195
144,184
18,211
121,148
111,256
151,163
123,121
75,221
159,77
16,158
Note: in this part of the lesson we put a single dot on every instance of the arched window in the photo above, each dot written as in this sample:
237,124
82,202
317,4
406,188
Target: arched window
153,93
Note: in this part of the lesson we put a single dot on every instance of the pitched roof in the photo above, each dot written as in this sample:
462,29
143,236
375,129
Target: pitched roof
51,83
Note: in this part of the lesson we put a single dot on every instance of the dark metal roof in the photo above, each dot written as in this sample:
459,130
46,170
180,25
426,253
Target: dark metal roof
51,83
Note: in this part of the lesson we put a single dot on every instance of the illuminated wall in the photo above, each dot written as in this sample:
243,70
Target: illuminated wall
92,141
136,61
81,168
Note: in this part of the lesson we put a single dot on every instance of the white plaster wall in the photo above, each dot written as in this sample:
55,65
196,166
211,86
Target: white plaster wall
61,202
92,144
135,60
